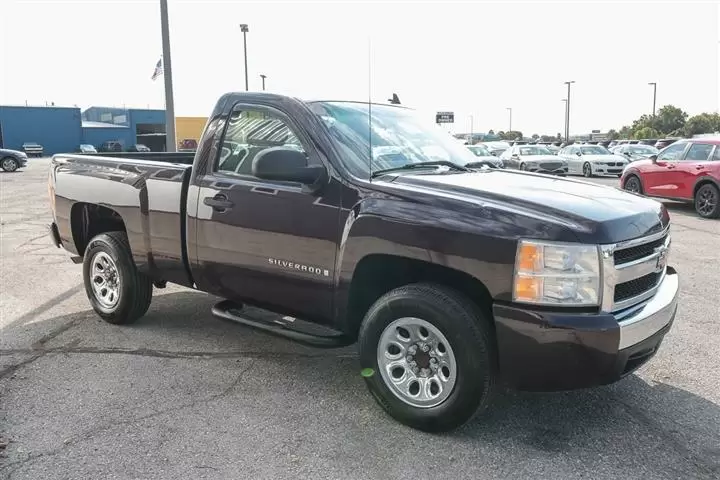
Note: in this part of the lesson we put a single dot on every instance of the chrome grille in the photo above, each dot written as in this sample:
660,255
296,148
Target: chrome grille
633,270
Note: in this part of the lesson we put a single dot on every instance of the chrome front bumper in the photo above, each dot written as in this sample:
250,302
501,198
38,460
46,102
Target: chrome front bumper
646,319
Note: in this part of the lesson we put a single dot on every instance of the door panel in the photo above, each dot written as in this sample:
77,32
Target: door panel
272,244
659,179
695,164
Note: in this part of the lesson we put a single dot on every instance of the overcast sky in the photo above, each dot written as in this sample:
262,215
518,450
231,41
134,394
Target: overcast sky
471,58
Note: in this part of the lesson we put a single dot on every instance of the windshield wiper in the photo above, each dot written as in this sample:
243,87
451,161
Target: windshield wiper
412,166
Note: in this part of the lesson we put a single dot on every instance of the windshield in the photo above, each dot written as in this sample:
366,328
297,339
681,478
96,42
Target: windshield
398,137
479,151
642,150
595,150
534,150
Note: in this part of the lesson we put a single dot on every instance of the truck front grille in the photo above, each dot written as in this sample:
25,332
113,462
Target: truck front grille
636,287
630,254
633,270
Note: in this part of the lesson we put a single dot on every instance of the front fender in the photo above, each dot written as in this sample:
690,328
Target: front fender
478,243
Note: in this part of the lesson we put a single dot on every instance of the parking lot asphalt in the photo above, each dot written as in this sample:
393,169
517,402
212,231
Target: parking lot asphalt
181,394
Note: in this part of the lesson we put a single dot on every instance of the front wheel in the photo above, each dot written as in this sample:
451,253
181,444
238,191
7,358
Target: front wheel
118,293
428,356
587,170
707,201
632,184
523,167
9,164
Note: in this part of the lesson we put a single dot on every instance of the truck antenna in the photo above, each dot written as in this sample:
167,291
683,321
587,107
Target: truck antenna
370,153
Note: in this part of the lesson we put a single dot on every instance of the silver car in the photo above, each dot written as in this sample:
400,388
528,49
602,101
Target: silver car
534,158
591,160
636,152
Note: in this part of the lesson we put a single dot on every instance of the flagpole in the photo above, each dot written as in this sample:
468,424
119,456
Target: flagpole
170,143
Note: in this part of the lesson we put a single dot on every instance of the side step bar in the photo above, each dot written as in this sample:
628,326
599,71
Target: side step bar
282,326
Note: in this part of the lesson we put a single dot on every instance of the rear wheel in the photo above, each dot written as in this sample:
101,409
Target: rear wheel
118,293
523,166
632,184
430,356
707,201
9,164
587,170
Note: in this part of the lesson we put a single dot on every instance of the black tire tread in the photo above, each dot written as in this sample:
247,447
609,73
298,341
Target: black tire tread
458,307
140,285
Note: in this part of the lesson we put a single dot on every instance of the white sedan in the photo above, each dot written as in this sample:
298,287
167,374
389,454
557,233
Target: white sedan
591,160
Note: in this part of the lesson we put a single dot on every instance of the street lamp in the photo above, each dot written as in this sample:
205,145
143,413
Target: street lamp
244,30
567,112
170,144
472,139
654,85
263,80
509,109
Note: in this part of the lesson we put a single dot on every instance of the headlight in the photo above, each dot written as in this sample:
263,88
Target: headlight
556,274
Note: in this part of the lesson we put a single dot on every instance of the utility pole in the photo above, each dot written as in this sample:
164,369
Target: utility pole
170,143
472,140
263,80
654,85
244,30
567,112
509,109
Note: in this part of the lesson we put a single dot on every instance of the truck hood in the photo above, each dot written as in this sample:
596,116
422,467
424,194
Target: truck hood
595,213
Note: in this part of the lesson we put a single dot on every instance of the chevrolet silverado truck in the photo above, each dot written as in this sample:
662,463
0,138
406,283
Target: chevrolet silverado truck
350,222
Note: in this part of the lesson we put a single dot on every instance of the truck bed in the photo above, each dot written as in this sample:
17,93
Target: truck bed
145,197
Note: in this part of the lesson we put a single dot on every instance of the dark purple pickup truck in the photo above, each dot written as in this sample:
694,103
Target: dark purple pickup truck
356,222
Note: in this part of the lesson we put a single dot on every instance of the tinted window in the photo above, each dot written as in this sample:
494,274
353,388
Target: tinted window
248,133
673,152
716,157
698,152
594,150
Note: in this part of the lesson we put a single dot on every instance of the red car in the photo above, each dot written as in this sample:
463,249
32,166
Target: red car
687,170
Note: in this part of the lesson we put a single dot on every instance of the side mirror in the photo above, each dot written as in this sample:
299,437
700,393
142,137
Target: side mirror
579,154
653,158
286,165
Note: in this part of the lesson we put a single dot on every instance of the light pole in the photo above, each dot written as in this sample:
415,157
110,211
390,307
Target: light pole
509,109
170,144
244,30
263,80
565,126
567,112
654,85
472,140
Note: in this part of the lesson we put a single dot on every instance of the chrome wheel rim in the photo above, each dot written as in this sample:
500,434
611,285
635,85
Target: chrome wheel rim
417,362
105,280
9,165
587,170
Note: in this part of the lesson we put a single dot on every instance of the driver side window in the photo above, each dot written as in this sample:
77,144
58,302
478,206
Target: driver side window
672,153
248,133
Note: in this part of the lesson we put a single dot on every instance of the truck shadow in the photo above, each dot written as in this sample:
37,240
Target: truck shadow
632,419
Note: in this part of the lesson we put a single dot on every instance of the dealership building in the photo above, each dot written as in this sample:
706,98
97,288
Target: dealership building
64,129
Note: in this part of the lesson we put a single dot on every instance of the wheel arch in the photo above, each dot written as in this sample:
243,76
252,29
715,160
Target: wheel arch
704,180
88,220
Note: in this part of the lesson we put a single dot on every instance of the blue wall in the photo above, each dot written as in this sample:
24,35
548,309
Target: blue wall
57,129
97,136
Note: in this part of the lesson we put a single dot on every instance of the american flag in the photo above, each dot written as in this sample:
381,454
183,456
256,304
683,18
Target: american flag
158,70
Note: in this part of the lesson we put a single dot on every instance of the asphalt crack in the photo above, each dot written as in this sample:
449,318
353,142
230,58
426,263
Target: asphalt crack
13,467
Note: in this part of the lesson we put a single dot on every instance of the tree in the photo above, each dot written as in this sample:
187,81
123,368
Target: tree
558,136
490,132
535,136
646,132
511,135
612,135
703,123
669,120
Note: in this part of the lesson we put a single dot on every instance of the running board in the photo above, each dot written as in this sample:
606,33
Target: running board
298,330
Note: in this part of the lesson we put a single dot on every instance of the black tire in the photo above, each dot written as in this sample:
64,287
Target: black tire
469,333
707,201
587,170
523,167
9,164
633,184
135,292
